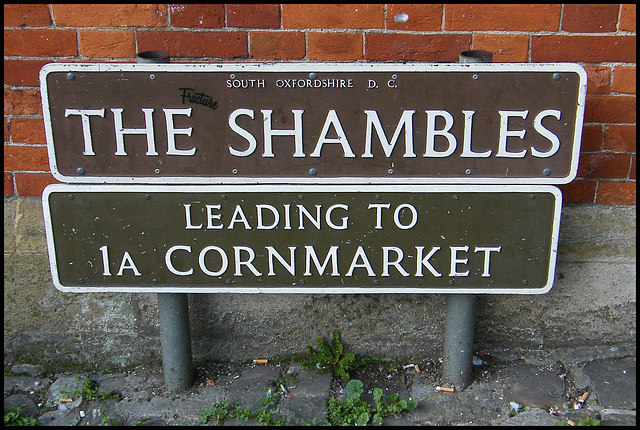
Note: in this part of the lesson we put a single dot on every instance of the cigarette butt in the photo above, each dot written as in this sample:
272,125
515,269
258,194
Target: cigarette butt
289,396
584,397
571,423
260,361
66,400
417,368
446,389
576,405
211,382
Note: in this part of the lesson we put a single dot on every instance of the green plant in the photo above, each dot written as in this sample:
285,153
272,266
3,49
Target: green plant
89,391
220,412
585,422
331,358
13,417
106,420
354,411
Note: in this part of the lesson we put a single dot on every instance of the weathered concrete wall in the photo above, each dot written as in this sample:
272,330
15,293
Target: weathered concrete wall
592,305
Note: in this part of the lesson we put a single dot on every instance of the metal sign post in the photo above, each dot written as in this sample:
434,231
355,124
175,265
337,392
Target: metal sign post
173,309
461,309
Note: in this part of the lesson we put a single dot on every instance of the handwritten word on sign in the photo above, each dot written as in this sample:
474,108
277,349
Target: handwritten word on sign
313,123
303,239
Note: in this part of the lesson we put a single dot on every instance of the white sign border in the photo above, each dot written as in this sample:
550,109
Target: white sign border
313,67
67,188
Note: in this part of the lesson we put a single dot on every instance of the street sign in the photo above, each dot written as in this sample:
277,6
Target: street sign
485,239
322,123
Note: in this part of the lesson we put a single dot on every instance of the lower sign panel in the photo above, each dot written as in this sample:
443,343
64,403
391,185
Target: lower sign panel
302,238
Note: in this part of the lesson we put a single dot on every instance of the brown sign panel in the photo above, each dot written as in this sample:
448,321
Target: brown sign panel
302,238
313,123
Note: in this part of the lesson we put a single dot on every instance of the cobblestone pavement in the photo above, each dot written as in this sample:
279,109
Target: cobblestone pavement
508,393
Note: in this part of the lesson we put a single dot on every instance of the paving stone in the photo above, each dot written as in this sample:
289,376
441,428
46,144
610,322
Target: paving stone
532,386
480,404
309,398
534,417
251,387
102,413
18,383
28,369
619,419
65,387
150,422
27,384
580,379
611,384
16,400
614,382
60,418
119,384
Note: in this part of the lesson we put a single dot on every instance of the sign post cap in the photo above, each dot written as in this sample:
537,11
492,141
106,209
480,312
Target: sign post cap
153,57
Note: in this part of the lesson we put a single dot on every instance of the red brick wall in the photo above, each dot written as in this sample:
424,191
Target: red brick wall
600,37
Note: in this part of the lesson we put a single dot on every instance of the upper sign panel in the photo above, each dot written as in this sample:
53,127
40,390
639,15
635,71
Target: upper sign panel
314,123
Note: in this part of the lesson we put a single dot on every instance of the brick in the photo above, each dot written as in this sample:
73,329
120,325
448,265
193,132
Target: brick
417,47
253,15
592,136
32,184
334,46
23,73
26,158
40,43
620,138
506,48
598,79
197,15
587,49
107,44
22,102
8,184
628,17
633,170
590,18
419,17
110,15
578,191
277,45
26,15
184,44
624,80
7,135
616,193
28,130
502,17
603,165
610,109
353,16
